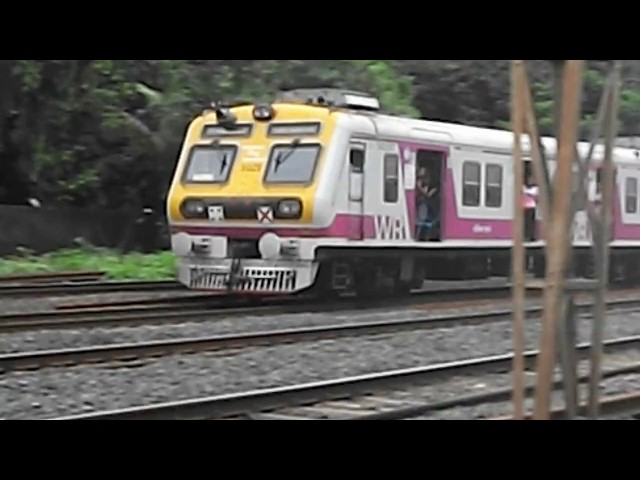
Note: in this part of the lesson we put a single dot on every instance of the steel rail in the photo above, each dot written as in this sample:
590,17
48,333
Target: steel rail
247,403
158,348
222,306
626,403
440,293
89,287
494,396
51,277
179,310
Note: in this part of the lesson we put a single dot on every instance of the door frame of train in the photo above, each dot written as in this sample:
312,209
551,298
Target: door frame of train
527,170
356,189
442,162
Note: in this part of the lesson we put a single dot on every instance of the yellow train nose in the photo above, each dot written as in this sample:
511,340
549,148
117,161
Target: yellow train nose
237,208
236,161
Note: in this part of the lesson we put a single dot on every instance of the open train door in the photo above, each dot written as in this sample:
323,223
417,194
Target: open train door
357,154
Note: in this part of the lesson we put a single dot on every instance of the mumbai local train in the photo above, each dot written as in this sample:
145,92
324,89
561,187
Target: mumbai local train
319,191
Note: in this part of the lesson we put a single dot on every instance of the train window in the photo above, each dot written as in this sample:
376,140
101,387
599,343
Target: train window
298,129
292,163
391,178
356,160
215,131
471,184
210,163
631,195
493,187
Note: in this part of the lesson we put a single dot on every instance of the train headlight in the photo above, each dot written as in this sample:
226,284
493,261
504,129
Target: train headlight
269,245
289,209
263,113
181,244
193,208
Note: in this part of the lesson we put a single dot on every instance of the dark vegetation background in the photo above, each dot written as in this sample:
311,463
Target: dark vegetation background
90,138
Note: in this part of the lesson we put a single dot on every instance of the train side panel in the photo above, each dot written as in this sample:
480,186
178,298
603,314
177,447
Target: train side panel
627,203
479,200
359,218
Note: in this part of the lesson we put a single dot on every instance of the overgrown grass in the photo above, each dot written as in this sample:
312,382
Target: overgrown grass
131,266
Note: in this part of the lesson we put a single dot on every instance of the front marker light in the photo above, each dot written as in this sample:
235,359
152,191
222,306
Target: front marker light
194,209
264,113
289,208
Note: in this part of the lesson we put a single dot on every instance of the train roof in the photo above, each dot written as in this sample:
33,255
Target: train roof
361,108
487,139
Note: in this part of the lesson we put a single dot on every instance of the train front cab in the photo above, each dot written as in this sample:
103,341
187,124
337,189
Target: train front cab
247,221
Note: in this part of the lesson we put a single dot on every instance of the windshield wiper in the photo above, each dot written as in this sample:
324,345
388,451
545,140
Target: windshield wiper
217,147
223,163
284,157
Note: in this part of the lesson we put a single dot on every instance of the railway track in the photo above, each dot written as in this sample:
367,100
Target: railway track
627,404
84,283
188,308
179,299
368,397
440,294
51,277
86,286
159,348
182,310
133,315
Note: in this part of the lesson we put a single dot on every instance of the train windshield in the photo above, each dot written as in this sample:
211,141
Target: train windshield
292,163
210,163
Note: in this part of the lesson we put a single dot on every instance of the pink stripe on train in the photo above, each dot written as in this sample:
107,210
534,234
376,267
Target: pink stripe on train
456,228
340,228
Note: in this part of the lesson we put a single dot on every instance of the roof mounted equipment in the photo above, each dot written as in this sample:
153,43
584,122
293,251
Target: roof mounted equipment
332,97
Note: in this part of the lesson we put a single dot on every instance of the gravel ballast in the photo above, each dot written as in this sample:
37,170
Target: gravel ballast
44,303
51,339
37,304
84,337
62,391
75,338
623,384
471,385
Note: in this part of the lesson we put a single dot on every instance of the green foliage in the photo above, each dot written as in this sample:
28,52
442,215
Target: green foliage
157,266
594,81
394,92
543,101
107,132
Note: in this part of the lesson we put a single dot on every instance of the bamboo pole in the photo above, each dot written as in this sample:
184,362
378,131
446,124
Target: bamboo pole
558,235
610,128
518,250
